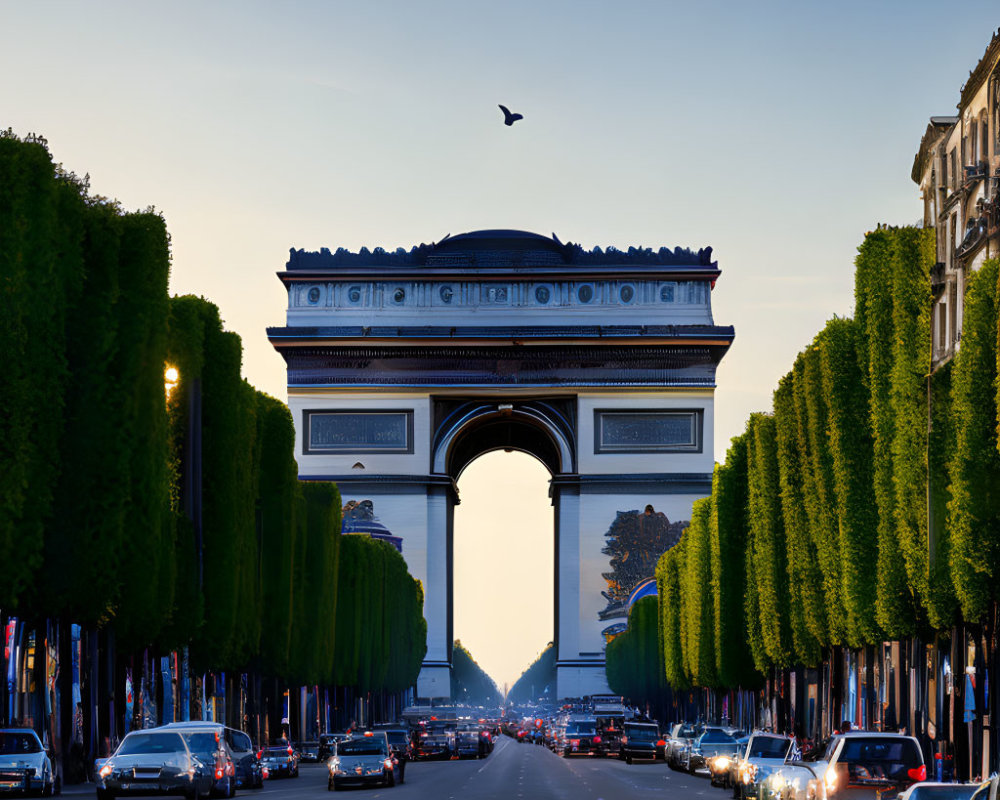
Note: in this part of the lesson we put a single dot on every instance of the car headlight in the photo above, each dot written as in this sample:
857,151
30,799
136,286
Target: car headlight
721,762
106,770
830,779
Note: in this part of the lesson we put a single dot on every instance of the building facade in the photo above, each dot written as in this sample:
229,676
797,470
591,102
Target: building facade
958,170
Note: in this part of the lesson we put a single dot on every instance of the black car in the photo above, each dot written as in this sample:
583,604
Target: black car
249,772
280,760
400,745
308,751
578,740
641,740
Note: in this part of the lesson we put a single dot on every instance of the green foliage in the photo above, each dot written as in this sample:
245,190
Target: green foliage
807,614
634,657
942,604
538,680
817,485
39,271
728,533
892,310
469,682
974,509
696,585
766,541
851,456
669,572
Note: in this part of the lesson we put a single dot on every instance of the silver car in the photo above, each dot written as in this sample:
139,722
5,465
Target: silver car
154,762
363,761
24,764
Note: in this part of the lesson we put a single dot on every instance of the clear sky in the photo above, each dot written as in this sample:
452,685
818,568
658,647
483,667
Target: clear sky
776,132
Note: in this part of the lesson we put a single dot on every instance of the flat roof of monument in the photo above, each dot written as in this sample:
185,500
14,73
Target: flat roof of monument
500,252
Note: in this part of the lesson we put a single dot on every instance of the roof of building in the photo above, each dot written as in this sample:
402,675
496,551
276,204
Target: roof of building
498,248
936,130
982,70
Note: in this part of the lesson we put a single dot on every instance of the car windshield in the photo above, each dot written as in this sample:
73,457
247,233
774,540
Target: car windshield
397,737
768,747
368,746
641,734
580,729
202,743
880,759
952,791
16,743
136,744
716,737
686,733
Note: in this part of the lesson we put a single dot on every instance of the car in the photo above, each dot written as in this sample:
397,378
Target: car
857,765
308,751
154,761
677,741
468,741
711,745
436,739
24,764
280,760
939,791
363,760
327,741
764,753
400,744
578,738
248,769
641,740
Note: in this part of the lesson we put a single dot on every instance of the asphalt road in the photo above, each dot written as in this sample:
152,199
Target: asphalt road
513,772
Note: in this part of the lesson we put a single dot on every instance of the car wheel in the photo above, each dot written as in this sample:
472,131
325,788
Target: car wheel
390,779
331,785
628,759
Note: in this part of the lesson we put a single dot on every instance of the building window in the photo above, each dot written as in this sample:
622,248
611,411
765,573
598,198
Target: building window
358,431
648,431
953,169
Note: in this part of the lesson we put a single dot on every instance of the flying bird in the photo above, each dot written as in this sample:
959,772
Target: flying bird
508,118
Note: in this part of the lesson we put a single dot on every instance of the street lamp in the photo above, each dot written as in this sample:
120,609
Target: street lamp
171,377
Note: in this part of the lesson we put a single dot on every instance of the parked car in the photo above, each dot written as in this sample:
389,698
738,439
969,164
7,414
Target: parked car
363,760
940,791
641,740
154,761
764,754
710,744
677,741
249,771
280,760
24,764
858,765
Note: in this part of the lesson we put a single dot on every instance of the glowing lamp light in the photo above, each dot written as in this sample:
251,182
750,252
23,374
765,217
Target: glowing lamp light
171,377
105,770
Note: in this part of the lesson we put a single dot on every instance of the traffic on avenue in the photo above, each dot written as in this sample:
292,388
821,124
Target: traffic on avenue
595,748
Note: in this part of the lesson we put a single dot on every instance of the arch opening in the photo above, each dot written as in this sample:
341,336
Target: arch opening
504,562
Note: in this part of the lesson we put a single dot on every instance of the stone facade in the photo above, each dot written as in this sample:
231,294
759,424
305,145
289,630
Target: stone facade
958,171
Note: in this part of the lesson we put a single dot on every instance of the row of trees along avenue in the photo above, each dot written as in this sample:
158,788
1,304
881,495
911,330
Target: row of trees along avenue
160,523
819,534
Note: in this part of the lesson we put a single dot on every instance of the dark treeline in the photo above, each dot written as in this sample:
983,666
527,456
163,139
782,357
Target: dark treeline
108,484
820,535
469,683
538,681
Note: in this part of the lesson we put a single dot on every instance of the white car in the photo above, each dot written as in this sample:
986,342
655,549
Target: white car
24,764
859,765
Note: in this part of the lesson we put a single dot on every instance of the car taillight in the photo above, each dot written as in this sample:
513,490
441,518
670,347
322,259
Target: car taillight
597,740
661,743
388,763
574,742
624,740
290,751
918,774
265,774
218,773
260,754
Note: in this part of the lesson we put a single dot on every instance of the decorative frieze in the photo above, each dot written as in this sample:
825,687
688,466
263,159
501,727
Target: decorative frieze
492,294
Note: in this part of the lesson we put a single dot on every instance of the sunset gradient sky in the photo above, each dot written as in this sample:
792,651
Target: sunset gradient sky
776,132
